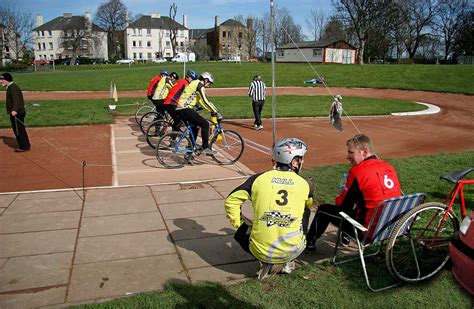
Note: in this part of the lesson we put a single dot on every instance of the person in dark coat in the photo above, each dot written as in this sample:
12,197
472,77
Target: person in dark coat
16,109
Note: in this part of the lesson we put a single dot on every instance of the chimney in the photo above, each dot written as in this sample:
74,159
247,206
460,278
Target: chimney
127,22
249,23
218,21
39,20
67,15
88,18
185,21
155,15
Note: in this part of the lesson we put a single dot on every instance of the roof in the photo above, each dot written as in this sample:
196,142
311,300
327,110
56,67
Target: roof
232,23
65,23
196,34
163,22
313,44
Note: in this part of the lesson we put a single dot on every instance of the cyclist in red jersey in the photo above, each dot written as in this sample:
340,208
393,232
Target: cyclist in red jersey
369,181
172,99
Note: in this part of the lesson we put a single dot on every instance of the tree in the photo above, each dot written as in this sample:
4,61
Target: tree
464,40
286,30
173,27
78,38
17,34
361,15
334,30
417,16
316,21
250,36
112,16
449,21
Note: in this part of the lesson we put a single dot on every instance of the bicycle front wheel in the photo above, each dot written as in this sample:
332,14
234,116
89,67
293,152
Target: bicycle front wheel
174,150
229,146
148,118
142,110
155,131
418,246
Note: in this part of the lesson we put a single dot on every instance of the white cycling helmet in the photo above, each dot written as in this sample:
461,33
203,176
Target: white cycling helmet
208,76
287,148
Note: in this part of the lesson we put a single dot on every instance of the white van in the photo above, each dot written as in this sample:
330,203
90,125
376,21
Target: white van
183,57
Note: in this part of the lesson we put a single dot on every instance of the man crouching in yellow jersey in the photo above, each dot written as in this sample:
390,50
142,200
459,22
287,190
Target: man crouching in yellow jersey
280,199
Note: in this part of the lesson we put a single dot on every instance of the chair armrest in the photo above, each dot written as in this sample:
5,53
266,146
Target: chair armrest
353,222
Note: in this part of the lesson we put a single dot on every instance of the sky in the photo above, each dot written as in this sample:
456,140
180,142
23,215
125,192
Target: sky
200,13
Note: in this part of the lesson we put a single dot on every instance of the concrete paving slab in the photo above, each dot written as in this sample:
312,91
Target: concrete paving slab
214,251
123,246
35,271
52,296
6,199
199,227
224,273
37,243
2,262
131,143
121,224
192,209
140,201
114,194
52,194
18,223
162,188
2,210
117,278
44,205
186,196
227,186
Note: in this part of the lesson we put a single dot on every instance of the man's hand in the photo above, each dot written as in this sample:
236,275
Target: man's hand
14,113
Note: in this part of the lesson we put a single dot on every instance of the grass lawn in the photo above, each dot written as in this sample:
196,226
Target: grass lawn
443,78
324,285
81,112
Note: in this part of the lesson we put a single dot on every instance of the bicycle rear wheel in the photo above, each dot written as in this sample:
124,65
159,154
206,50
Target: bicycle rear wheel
148,118
229,146
413,253
142,110
155,131
174,150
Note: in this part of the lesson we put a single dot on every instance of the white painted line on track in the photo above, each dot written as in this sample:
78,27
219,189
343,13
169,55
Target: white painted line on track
258,147
114,157
432,109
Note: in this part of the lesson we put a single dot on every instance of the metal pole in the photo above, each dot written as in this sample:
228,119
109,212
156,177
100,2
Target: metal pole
272,13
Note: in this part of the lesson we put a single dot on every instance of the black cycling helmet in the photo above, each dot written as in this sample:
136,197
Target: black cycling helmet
192,74
174,75
164,72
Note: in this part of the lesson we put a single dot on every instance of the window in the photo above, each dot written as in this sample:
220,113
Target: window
134,31
134,55
223,34
148,31
42,33
240,35
181,43
50,33
168,44
139,43
50,46
51,57
148,56
39,46
317,52
148,43
229,35
168,55
44,46
140,55
280,53
134,43
139,31
38,33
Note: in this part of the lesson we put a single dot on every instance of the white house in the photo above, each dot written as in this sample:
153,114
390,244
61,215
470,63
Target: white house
10,45
148,37
49,37
325,51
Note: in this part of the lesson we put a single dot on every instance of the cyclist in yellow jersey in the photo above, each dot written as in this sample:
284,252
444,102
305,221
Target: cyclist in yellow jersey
162,89
281,200
194,94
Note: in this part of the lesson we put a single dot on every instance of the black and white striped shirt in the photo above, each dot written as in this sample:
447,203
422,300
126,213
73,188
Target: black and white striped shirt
257,90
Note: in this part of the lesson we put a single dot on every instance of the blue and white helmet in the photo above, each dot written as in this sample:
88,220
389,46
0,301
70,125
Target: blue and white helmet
287,148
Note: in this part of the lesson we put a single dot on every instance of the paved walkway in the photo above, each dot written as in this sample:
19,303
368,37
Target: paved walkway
64,247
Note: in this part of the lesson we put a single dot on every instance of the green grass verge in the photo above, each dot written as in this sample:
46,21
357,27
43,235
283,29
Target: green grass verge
444,78
324,285
81,112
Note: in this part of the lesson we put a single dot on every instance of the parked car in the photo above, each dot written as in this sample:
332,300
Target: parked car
67,61
461,250
125,61
41,62
159,60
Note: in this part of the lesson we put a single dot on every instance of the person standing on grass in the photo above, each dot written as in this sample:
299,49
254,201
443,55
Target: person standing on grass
280,200
16,109
257,91
369,181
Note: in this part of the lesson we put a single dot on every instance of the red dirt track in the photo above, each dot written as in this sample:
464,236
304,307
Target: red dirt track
55,160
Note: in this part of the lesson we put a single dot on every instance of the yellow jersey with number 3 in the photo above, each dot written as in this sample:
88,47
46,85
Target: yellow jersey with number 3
279,198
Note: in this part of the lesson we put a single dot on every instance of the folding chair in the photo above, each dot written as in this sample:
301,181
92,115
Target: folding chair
389,210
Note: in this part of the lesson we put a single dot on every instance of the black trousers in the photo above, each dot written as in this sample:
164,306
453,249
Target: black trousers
257,111
171,109
189,115
328,213
18,126
242,235
159,106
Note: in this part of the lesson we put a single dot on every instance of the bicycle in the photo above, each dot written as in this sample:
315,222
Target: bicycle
418,246
176,149
142,110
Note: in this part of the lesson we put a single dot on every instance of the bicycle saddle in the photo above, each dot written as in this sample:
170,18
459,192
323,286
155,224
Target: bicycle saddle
454,177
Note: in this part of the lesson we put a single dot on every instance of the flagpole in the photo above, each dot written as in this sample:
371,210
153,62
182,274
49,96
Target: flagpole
272,13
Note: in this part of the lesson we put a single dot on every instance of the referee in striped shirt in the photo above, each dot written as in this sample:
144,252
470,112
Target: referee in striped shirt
257,93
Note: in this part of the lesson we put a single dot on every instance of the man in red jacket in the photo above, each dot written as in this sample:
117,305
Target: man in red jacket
369,181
